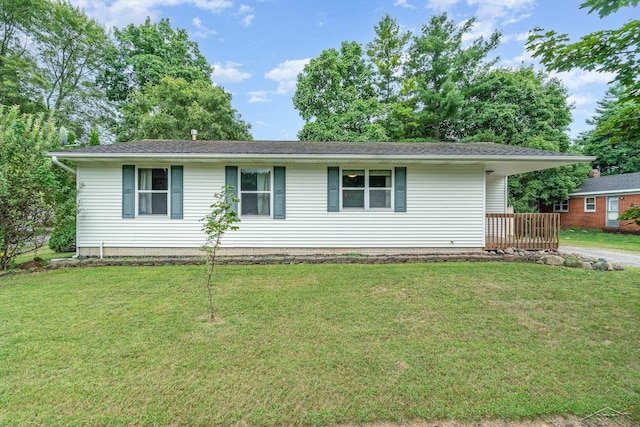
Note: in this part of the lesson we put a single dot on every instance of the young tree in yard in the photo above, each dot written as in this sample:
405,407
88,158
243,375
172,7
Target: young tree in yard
222,218
171,108
27,182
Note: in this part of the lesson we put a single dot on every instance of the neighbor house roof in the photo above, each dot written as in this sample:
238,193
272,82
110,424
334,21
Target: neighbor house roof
498,158
610,184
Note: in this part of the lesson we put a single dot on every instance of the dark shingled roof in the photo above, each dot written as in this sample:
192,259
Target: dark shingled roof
611,183
312,148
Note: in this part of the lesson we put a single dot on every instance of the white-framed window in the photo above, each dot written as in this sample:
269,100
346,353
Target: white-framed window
561,207
366,188
255,192
589,204
153,191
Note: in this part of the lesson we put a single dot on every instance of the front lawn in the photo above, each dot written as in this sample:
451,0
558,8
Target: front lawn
317,345
600,240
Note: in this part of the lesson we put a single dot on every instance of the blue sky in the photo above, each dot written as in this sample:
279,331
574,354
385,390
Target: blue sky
257,47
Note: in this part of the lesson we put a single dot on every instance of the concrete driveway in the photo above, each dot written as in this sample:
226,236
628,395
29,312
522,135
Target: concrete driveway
627,259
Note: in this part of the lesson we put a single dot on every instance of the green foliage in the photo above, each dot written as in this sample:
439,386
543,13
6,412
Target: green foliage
335,96
222,218
631,214
439,70
616,51
171,108
144,54
94,139
614,155
28,184
343,96
63,235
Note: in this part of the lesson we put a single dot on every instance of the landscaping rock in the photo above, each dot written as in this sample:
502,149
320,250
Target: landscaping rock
573,262
609,266
618,268
586,265
509,251
552,260
600,265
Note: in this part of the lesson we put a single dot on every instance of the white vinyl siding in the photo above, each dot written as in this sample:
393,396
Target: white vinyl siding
496,194
445,209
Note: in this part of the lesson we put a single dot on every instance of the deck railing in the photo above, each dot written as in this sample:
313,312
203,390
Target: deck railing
530,231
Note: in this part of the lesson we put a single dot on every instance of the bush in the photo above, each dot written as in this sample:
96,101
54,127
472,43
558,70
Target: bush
63,235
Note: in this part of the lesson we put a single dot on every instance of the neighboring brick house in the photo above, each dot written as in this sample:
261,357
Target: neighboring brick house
599,201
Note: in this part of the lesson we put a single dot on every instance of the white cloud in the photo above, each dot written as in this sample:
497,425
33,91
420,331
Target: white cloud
286,74
580,100
246,15
258,96
404,3
203,31
124,12
228,73
441,4
576,79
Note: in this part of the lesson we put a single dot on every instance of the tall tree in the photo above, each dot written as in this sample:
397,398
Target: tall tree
438,72
526,108
27,183
336,97
71,51
616,51
19,74
172,107
144,54
613,154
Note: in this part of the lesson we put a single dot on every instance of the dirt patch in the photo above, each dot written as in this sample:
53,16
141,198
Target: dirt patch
36,264
558,421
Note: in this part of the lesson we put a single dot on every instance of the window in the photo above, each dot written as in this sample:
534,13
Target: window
153,191
561,207
589,204
366,189
255,192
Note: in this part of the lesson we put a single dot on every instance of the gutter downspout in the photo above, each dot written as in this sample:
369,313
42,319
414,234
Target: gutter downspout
57,162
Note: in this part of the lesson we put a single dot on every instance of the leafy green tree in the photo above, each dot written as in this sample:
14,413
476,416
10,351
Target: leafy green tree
20,77
171,108
337,99
439,71
613,155
94,139
144,54
616,51
525,108
221,219
27,182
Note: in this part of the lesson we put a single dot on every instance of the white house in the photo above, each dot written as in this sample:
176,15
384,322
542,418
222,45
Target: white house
148,197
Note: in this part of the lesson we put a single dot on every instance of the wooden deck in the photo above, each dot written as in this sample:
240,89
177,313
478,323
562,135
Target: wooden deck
529,231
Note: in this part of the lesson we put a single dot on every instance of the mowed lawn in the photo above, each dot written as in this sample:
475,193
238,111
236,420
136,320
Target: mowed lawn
317,344
600,240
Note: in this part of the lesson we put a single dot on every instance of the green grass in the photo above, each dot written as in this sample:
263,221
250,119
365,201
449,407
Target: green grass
317,345
45,254
600,240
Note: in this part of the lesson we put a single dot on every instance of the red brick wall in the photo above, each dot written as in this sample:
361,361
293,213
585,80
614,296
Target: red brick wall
578,218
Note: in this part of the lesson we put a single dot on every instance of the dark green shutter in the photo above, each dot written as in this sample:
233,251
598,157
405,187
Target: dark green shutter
231,180
128,191
400,190
279,193
176,192
333,189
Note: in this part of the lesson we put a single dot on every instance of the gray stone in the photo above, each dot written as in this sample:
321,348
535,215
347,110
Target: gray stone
573,262
586,265
600,265
509,251
500,252
618,268
609,266
552,260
